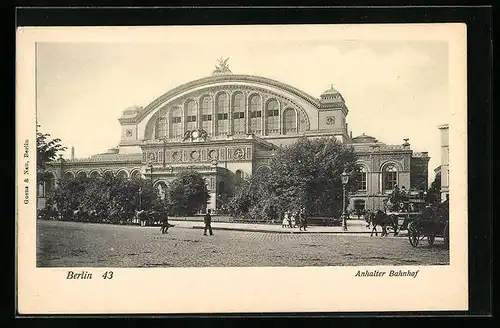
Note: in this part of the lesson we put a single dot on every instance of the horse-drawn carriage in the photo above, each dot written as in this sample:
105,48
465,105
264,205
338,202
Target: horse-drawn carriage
431,223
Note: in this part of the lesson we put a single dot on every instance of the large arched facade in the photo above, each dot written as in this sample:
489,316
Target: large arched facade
228,126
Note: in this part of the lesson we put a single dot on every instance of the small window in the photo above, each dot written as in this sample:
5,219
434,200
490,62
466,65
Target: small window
176,119
207,117
222,116
191,118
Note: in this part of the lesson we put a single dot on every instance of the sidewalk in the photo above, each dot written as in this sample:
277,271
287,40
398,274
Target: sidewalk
353,227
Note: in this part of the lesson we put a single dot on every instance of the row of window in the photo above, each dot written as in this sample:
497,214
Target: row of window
175,126
389,178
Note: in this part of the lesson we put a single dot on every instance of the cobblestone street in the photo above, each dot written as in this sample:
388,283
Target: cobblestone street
70,244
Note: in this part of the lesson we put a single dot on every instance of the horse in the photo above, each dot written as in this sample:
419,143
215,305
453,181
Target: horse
383,220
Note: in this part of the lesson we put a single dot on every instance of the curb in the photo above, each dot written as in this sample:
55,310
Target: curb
287,232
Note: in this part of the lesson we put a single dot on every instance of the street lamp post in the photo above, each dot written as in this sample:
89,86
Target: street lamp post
140,199
345,179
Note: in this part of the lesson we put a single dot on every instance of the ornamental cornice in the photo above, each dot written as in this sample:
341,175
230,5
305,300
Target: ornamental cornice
216,79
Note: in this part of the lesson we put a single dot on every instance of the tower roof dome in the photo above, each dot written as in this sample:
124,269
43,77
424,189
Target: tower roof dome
331,91
331,96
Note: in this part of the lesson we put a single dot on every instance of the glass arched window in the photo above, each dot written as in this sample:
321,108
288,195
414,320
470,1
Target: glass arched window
160,128
206,114
94,174
222,114
136,175
122,174
289,121
191,116
239,113
81,175
362,179
272,117
161,187
239,174
255,115
108,174
176,123
389,177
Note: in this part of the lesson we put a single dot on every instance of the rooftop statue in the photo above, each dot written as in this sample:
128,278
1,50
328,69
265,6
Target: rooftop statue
222,67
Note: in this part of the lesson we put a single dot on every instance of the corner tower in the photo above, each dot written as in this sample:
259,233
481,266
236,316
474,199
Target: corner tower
332,114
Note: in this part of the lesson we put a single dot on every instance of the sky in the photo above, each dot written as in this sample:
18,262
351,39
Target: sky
394,89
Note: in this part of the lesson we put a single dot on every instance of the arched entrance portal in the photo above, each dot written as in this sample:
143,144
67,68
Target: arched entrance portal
161,187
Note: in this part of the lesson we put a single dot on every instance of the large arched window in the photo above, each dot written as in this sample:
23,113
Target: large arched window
289,121
161,188
222,114
191,116
362,179
239,113
272,117
389,177
160,124
176,123
160,127
206,114
255,115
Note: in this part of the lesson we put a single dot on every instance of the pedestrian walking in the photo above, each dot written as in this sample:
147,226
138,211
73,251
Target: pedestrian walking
208,223
303,220
164,223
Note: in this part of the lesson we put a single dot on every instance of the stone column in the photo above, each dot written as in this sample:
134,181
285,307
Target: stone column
263,118
198,113
230,116
280,111
214,117
247,116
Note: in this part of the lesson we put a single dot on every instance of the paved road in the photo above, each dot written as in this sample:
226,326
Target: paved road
71,244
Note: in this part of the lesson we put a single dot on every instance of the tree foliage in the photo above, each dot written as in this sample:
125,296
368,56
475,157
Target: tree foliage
305,174
434,192
187,194
47,150
108,198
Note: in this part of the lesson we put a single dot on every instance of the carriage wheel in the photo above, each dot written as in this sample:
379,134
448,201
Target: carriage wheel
446,235
430,240
413,236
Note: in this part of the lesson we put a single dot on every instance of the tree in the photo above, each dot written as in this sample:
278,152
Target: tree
187,194
434,192
306,175
47,150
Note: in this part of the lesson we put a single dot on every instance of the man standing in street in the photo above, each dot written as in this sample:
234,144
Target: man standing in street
164,223
208,223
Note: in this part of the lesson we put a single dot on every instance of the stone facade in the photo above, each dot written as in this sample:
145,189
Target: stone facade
445,161
245,118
